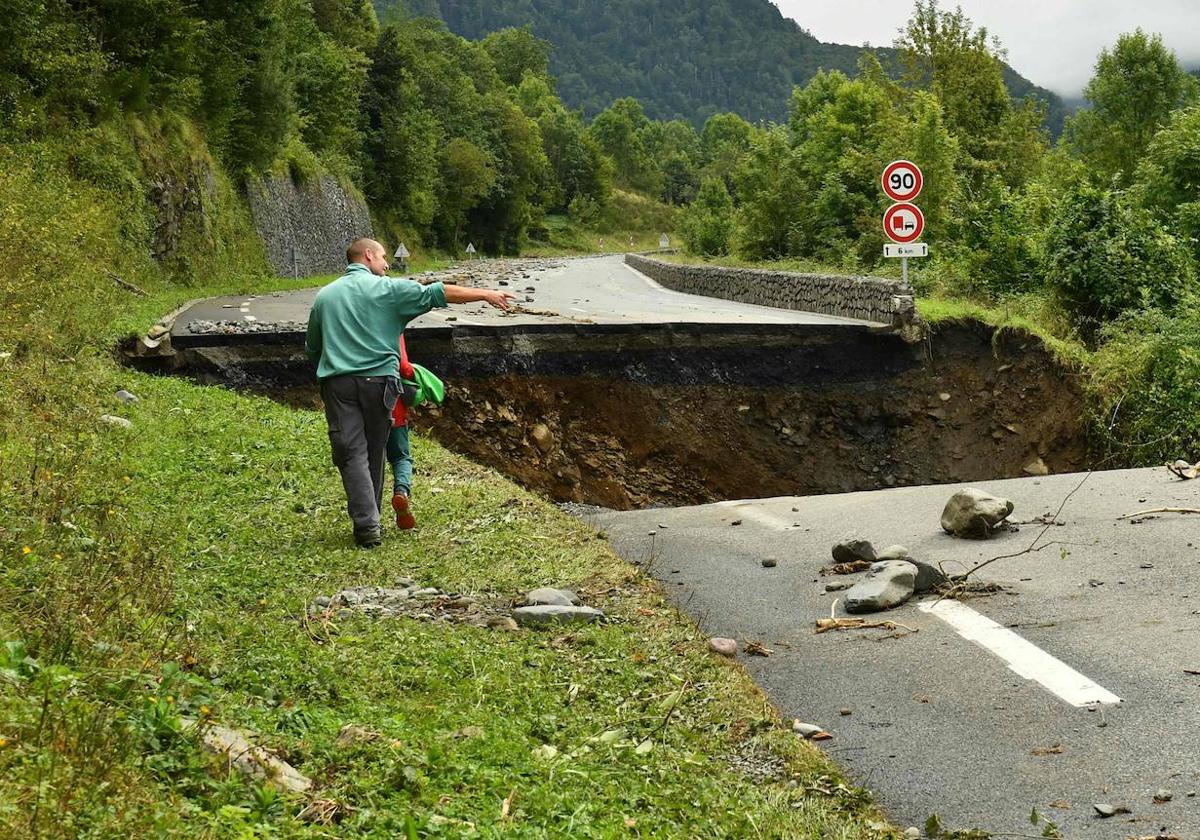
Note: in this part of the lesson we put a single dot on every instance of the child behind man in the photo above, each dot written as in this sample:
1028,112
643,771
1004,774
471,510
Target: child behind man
399,451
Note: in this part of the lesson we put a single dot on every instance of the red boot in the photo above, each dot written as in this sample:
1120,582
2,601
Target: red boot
404,518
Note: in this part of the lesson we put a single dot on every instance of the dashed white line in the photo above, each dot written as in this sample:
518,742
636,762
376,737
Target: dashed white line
1022,656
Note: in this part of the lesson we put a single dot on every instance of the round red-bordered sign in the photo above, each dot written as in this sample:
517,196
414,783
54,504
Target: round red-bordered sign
902,180
904,223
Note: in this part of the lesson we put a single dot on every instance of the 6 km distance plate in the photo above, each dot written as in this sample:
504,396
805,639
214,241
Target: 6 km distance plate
917,249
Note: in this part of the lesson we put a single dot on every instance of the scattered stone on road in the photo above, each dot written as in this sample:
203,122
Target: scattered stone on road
723,646
888,584
838,585
768,563
1104,810
974,514
894,552
545,615
929,577
810,731
116,421
1163,795
854,550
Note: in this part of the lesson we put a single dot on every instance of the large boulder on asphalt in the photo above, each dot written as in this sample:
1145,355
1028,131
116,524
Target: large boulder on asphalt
545,615
888,584
853,550
974,514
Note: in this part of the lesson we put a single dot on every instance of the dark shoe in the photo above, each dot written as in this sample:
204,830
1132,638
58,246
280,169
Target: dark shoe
368,538
404,518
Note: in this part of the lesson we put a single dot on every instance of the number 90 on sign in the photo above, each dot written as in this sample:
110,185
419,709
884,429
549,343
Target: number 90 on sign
902,180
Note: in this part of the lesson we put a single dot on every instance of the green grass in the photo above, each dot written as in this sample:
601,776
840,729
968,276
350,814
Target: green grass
163,571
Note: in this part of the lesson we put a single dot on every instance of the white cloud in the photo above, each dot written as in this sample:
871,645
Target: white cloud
1054,43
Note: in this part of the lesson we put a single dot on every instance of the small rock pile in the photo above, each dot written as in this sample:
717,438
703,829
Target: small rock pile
893,576
541,607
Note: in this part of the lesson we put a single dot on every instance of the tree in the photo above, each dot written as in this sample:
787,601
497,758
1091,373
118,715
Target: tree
618,131
1168,177
708,222
1136,86
964,68
517,52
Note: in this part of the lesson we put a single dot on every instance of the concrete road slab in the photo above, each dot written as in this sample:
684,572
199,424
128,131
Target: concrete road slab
941,721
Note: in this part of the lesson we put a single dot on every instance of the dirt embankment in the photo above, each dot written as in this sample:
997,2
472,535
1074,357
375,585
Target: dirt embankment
980,406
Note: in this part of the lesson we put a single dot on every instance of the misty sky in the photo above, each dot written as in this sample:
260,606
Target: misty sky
1052,42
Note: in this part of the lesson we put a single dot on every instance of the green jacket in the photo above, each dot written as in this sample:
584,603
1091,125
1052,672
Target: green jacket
356,321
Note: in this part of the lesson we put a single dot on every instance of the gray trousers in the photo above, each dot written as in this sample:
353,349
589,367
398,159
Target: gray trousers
358,410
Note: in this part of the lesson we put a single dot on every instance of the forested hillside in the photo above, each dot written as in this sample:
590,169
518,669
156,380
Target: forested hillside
682,60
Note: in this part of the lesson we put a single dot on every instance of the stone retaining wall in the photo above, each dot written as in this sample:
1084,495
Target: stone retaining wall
871,299
318,218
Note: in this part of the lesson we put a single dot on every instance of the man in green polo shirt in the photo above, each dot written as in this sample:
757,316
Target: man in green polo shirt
354,337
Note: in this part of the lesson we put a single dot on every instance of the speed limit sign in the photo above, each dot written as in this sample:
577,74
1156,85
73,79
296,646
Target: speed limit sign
902,180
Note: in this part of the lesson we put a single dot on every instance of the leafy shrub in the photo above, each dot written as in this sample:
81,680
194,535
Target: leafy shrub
1105,257
708,222
1143,386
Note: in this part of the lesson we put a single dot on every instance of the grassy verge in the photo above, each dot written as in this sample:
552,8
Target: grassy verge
163,571
631,222
888,270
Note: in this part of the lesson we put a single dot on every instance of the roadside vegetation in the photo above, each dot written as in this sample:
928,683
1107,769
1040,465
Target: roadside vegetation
1091,241
161,572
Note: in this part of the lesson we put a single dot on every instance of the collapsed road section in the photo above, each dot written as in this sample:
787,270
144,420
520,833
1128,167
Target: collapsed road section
603,387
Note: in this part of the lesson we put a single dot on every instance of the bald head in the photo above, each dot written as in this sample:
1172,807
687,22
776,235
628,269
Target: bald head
368,252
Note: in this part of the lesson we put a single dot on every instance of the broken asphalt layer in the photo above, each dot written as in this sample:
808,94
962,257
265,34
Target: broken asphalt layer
1081,695
599,294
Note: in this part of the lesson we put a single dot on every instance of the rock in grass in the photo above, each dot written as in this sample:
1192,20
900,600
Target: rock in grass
852,549
551,597
127,397
502,622
249,758
888,584
974,514
116,421
544,615
723,646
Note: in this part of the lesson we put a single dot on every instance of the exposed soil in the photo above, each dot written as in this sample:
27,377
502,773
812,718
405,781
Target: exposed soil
981,406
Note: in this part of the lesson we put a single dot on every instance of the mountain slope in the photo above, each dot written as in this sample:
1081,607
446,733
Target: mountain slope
687,59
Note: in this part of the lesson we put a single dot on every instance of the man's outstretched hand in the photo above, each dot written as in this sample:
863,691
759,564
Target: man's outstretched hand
464,294
496,298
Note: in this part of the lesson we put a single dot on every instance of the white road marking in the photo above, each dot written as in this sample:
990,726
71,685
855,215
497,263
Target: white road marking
1022,657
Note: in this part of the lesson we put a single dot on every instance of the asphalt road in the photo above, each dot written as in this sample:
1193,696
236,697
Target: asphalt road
940,723
598,290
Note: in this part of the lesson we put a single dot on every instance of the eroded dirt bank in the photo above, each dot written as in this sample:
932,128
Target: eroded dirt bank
975,407
684,416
